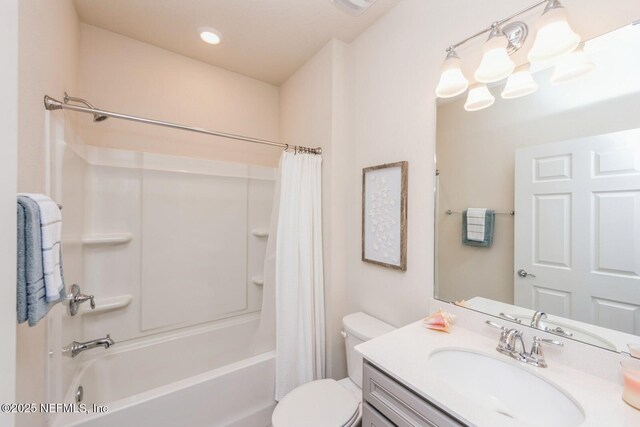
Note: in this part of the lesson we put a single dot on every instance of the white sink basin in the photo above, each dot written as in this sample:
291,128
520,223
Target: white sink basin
503,387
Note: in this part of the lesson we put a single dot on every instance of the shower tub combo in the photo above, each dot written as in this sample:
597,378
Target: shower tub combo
185,348
201,377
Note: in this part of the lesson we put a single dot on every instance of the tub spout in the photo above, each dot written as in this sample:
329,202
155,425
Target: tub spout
78,347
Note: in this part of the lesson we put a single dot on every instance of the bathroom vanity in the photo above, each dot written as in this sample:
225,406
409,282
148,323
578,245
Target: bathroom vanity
419,377
387,402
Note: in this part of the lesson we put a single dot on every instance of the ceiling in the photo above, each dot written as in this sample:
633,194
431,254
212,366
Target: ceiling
265,39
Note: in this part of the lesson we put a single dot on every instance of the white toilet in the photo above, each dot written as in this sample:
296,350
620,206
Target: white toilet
331,403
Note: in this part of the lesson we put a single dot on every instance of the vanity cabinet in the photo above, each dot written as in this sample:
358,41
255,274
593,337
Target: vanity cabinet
389,403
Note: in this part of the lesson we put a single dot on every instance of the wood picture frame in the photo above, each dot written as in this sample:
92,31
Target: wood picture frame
384,215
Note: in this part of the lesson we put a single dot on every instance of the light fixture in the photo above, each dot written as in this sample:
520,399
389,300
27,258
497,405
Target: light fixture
572,66
452,80
479,98
353,7
209,35
554,36
555,44
520,83
495,64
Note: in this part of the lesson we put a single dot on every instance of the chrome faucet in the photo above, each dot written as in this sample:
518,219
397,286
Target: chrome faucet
509,339
512,344
514,337
537,317
78,347
535,323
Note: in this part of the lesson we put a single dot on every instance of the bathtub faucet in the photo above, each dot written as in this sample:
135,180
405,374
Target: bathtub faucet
78,347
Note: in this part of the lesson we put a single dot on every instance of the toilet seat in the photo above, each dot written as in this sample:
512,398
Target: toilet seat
321,403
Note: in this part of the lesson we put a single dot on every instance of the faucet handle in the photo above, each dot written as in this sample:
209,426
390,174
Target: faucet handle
76,298
110,342
536,355
82,298
495,325
538,340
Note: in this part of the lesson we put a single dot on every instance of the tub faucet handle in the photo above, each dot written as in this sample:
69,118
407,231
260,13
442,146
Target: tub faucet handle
76,298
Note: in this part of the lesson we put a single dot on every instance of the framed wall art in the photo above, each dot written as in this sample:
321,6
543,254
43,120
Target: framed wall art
384,215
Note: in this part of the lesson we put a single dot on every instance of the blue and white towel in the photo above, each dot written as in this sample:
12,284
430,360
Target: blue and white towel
475,224
477,227
32,304
51,234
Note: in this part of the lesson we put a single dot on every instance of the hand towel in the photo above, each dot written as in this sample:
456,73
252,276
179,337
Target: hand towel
486,229
21,294
31,294
51,234
475,224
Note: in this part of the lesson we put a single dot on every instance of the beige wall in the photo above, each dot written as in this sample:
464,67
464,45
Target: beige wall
8,180
48,49
312,104
395,68
120,74
48,65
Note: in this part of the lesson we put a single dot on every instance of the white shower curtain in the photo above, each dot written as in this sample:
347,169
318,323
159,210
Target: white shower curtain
298,286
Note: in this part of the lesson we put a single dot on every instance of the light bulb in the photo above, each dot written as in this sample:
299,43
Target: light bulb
520,83
209,35
452,80
572,66
479,98
554,36
496,63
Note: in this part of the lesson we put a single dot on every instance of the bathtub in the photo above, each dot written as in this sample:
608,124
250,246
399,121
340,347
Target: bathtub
206,376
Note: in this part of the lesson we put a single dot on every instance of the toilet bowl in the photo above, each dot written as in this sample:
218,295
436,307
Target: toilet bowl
327,402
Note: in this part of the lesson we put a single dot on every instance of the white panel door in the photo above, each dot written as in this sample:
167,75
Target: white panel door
577,229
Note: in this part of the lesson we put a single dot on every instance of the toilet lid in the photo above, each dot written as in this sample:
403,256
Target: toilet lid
322,403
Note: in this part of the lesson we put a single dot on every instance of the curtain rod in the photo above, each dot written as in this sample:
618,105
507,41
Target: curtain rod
53,104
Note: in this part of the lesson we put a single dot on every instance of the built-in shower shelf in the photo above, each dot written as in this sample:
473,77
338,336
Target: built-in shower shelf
107,304
107,239
258,232
257,280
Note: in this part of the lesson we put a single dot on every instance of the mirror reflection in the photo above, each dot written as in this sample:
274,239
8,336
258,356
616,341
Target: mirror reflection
538,199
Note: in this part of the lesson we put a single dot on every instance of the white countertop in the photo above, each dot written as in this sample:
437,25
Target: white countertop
403,355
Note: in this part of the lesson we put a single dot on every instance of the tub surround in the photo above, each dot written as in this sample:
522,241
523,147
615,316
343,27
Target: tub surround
185,377
593,379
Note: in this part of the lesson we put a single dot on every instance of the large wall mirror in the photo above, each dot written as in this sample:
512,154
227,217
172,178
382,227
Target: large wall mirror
538,200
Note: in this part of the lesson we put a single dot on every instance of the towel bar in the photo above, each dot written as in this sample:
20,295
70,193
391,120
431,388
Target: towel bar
450,212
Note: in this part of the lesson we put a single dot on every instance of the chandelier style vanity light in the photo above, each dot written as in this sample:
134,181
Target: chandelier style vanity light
555,44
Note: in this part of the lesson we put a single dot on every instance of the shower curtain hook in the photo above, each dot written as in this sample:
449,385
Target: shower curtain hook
286,148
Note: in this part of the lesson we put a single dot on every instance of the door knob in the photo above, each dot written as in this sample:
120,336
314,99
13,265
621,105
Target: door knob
523,273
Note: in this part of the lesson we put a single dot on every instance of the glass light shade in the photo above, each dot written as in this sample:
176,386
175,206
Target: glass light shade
572,66
479,98
209,35
452,80
496,63
554,36
520,83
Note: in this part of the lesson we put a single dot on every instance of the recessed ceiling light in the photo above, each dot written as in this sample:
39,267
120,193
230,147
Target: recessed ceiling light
209,35
353,7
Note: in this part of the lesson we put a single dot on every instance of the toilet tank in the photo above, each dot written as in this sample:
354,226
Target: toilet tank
358,328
